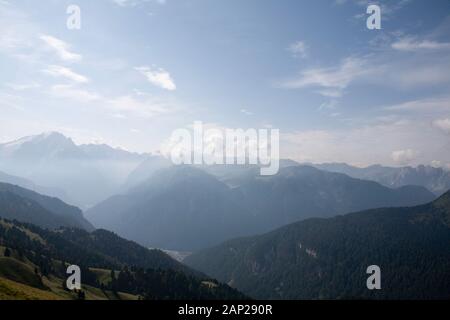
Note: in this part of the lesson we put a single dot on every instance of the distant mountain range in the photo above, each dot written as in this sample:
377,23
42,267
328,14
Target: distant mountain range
437,180
327,258
86,173
28,206
184,208
299,192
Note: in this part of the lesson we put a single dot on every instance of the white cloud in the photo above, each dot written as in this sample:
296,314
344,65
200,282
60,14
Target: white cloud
120,106
436,163
328,105
246,112
134,3
427,105
61,48
411,44
124,3
333,80
299,49
60,71
404,157
331,93
158,77
387,142
443,124
385,69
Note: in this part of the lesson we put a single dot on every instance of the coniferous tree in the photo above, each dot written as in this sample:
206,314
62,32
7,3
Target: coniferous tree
7,252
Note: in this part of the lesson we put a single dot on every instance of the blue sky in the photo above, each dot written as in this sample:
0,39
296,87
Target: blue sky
137,70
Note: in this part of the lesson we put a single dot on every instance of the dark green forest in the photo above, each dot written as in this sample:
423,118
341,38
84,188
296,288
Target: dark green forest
328,258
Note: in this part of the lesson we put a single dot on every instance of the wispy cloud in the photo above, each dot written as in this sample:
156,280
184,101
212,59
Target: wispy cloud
61,48
246,112
331,93
389,68
426,104
60,71
298,49
330,81
443,124
329,105
412,44
142,106
404,157
158,77
389,143
134,3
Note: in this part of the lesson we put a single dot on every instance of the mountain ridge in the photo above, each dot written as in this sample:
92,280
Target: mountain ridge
184,208
326,258
29,206
87,173
435,179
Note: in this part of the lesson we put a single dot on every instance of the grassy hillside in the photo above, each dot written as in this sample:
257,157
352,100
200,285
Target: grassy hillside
19,271
19,280
11,290
111,267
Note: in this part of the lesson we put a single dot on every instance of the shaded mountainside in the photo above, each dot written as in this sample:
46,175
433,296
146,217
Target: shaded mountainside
180,208
327,258
300,192
184,208
36,257
436,180
28,206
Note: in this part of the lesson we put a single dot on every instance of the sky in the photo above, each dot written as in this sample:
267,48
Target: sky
137,70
